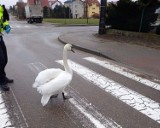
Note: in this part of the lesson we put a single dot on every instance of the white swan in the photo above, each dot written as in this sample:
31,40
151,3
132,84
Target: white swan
53,81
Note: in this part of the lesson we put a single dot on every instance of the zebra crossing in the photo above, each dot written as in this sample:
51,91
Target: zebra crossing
137,101
141,103
9,114
4,116
124,71
91,113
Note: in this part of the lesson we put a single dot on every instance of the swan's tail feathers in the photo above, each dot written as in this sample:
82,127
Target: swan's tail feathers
35,85
40,90
45,99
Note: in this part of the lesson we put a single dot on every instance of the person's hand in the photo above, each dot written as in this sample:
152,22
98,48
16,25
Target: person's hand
7,29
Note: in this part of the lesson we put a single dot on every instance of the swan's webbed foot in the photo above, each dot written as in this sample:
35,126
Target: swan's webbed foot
65,97
54,96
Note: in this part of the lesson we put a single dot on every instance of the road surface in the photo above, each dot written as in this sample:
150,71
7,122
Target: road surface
105,94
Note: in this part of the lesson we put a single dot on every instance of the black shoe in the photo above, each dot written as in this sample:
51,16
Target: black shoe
9,80
4,87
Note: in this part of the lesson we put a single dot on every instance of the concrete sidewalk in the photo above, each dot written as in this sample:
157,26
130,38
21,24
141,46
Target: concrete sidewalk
141,58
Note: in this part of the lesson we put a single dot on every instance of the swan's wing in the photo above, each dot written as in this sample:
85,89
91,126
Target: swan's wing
55,85
45,76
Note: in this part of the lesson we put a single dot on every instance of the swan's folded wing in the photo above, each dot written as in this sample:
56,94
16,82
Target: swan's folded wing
56,85
45,76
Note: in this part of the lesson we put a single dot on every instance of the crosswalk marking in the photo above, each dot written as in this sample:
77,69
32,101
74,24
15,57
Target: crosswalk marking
96,122
81,104
4,116
123,71
91,112
22,26
139,102
6,119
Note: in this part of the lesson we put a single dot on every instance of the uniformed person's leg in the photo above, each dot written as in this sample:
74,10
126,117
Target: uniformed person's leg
2,66
4,49
3,83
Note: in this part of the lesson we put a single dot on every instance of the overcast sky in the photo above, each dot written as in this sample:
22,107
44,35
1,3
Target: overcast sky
8,3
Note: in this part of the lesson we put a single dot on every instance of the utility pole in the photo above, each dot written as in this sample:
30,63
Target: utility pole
87,10
102,24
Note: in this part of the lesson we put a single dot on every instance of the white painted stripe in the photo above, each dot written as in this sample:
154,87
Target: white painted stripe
123,71
139,102
5,121
19,107
91,112
81,104
96,122
21,26
18,26
37,66
4,117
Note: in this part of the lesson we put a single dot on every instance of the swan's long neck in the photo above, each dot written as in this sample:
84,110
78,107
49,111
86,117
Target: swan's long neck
65,62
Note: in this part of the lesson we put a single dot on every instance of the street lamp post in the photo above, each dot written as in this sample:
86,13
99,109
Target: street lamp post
102,29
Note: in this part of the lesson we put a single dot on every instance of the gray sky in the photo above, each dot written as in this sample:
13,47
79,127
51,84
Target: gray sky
8,3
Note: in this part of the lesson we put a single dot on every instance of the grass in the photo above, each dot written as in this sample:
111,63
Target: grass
72,21
144,39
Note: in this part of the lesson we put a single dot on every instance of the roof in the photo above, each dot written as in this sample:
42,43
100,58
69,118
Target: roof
68,1
54,1
90,2
157,11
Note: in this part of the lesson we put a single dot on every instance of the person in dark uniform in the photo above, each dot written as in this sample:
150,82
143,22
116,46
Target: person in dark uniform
5,14
4,26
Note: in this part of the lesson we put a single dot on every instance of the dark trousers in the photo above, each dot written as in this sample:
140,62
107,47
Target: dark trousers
3,60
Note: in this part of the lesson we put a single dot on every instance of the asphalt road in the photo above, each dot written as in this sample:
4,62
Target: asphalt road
101,97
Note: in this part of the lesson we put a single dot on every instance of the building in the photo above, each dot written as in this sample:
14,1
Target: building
158,19
76,7
92,8
158,11
20,9
53,3
67,3
43,2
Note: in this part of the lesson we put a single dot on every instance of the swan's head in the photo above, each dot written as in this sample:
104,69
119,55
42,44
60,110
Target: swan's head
69,47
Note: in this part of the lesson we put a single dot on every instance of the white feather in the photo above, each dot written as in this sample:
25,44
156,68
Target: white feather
53,81
45,76
45,99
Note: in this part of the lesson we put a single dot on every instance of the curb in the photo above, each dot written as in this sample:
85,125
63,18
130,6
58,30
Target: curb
85,49
130,66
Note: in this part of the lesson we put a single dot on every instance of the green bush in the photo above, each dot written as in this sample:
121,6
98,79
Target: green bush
158,30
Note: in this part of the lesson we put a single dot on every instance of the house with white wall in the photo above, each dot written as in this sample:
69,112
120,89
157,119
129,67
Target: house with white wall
54,3
158,19
76,6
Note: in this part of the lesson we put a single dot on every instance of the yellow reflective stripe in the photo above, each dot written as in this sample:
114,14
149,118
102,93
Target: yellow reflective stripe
1,9
2,24
5,23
